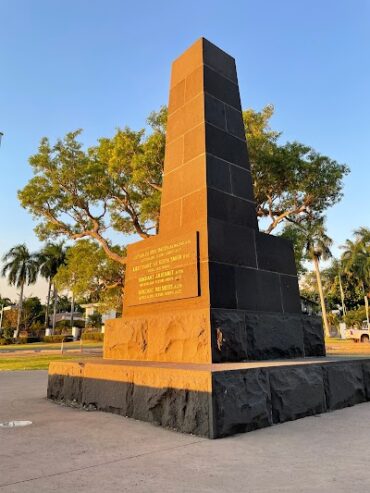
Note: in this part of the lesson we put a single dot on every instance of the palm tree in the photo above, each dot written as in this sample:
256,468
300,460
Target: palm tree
21,268
333,281
51,257
356,260
363,234
317,247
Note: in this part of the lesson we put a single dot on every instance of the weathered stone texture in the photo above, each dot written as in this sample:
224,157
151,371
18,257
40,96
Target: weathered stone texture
178,409
229,336
241,402
212,403
296,392
273,335
313,336
344,384
177,336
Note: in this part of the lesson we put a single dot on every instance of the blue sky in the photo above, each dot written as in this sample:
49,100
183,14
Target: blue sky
100,64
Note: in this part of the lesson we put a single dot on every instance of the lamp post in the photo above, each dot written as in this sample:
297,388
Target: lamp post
1,136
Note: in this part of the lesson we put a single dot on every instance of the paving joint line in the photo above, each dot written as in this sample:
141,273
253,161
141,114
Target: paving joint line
115,461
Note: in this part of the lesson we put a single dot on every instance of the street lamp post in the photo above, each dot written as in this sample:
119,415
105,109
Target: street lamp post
1,136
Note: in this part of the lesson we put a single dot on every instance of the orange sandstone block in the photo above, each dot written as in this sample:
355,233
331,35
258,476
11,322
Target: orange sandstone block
194,83
187,62
177,97
174,154
182,181
185,118
194,206
194,142
170,218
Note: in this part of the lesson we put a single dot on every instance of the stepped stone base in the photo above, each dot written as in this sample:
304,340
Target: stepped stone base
212,400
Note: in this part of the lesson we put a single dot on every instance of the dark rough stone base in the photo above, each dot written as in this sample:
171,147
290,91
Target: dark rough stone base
239,335
242,399
181,410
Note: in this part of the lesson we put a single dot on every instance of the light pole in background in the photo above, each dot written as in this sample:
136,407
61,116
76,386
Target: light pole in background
1,136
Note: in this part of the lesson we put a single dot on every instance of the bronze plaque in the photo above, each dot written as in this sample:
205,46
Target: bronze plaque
164,271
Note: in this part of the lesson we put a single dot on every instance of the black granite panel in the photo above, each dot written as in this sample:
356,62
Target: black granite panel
220,61
290,294
234,122
221,88
231,243
241,182
258,290
231,209
344,385
226,146
215,112
229,337
275,254
222,285
218,174
296,392
313,336
273,335
241,402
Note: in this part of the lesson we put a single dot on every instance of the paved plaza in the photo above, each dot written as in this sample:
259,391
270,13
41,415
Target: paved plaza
69,450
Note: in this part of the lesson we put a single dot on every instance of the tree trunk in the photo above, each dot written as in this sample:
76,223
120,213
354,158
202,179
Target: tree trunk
48,305
367,310
322,300
20,306
55,295
342,296
72,308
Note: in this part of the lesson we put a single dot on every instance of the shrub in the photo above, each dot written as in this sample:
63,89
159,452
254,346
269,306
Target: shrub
355,317
66,324
92,336
54,338
7,333
95,320
5,342
28,339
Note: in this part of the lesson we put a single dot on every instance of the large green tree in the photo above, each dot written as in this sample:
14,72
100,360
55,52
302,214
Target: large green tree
292,182
83,193
21,269
92,276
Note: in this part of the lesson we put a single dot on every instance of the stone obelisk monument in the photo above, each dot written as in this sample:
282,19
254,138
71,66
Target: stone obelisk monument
210,295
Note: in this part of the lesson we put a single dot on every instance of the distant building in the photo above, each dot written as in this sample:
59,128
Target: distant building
309,307
92,308
66,316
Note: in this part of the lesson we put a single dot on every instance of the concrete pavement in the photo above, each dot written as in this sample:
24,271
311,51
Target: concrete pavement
69,450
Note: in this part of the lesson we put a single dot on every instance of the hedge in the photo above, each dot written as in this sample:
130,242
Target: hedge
54,338
5,342
28,339
92,336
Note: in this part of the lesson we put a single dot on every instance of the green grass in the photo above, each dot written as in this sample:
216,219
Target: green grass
33,362
45,346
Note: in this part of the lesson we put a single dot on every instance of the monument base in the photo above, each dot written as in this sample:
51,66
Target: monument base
212,400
